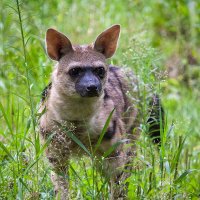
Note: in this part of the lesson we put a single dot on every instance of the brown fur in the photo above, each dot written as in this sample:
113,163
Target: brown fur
85,117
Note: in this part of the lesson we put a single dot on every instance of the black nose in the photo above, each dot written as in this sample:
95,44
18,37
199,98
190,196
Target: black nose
92,90
88,85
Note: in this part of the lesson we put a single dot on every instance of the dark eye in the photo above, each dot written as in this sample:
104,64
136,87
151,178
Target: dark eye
74,72
100,71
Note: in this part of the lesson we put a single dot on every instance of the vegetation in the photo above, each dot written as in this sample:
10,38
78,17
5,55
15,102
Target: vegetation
160,41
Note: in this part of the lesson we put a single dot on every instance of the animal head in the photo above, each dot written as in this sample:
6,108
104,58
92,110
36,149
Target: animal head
81,70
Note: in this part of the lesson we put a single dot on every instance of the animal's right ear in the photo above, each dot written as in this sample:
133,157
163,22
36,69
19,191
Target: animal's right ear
57,44
106,42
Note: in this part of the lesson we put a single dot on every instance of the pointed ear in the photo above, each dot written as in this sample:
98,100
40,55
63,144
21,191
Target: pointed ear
106,42
57,44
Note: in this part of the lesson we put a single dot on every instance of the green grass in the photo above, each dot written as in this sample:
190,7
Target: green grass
153,34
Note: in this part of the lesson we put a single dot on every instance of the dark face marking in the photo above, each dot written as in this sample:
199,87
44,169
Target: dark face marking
114,71
45,91
157,115
88,80
106,96
111,131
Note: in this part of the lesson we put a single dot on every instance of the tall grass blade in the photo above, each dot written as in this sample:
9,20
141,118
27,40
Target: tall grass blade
104,130
6,150
113,147
6,119
75,139
177,156
183,175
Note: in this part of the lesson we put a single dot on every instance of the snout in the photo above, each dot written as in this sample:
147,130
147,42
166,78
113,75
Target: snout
92,91
89,90
88,85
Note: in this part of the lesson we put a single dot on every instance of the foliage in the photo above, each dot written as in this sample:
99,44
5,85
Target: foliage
157,38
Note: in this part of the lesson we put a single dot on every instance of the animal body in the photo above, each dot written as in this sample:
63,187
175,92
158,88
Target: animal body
84,91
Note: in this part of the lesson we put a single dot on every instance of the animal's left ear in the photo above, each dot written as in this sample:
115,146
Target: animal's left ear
57,44
106,42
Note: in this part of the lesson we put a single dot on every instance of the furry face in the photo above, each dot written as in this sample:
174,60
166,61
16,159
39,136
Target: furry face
81,73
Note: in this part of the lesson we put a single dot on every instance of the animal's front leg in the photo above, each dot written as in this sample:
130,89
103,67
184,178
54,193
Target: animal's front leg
119,189
61,185
118,166
59,176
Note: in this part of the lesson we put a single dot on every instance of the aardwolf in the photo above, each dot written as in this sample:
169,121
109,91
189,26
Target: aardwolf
84,92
